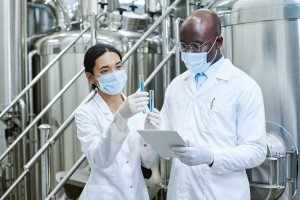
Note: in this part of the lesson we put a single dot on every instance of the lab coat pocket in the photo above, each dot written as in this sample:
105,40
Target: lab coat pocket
219,117
95,192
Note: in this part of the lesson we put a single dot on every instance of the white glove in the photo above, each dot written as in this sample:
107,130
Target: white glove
196,155
134,104
153,120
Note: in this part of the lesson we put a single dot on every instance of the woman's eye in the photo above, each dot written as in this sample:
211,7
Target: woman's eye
104,71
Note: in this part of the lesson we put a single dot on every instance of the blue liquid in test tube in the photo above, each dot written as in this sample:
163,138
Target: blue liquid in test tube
142,88
141,80
151,96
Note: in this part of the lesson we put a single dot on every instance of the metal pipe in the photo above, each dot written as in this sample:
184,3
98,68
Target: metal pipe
10,170
45,163
165,45
13,185
33,189
278,171
28,79
66,177
157,22
41,114
51,140
177,40
161,64
45,146
22,108
23,25
93,18
50,64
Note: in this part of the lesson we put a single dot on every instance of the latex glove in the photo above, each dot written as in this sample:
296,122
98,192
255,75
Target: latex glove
153,120
195,155
134,104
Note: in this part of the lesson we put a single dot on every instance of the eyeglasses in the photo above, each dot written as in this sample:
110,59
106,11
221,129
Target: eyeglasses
193,47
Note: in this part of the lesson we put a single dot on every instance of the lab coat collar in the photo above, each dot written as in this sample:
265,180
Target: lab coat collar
225,70
102,104
187,74
212,70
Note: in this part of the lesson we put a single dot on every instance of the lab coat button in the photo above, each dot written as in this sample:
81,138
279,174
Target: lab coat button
127,161
131,186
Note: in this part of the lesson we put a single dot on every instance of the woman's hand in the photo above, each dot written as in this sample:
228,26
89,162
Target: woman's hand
134,104
153,120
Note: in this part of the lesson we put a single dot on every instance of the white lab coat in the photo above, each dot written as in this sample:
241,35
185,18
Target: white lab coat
226,114
115,157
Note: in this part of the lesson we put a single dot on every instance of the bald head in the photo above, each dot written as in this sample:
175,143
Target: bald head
204,21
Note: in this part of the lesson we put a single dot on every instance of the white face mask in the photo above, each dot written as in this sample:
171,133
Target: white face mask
113,83
197,62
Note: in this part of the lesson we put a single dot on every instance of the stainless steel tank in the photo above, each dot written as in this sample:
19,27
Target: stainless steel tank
10,56
46,16
12,68
262,38
128,21
224,9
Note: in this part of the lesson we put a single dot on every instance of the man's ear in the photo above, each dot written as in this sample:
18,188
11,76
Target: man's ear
219,42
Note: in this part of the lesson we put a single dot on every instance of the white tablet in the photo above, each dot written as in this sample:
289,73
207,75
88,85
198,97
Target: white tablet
162,141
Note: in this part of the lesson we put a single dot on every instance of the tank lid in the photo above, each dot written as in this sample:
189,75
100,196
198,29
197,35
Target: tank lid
246,11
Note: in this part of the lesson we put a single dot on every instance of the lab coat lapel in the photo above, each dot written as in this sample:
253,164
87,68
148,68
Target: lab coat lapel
223,73
103,106
189,78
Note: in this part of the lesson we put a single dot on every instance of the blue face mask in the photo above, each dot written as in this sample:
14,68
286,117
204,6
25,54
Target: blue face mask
197,62
113,83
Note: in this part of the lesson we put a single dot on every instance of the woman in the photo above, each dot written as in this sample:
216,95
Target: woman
106,128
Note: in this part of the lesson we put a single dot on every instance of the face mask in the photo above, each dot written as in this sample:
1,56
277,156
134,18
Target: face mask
113,83
197,62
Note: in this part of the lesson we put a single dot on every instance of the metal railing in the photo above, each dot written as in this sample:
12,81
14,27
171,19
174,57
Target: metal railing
52,140
38,77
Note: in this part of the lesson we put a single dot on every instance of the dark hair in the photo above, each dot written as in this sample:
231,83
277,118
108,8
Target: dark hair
95,52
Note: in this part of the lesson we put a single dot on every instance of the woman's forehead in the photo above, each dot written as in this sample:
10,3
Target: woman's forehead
108,59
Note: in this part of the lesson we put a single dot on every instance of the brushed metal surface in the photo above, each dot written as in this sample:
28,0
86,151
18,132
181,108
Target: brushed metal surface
262,38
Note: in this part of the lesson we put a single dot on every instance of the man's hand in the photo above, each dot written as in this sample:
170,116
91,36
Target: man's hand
195,155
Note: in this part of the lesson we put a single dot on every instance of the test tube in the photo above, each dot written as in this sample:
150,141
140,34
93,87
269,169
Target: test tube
142,88
141,79
151,100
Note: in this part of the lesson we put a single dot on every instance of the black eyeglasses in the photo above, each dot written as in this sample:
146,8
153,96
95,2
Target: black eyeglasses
193,47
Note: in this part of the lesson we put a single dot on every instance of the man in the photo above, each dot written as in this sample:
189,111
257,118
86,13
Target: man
219,111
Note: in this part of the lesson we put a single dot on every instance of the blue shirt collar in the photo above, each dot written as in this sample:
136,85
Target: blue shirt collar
213,68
